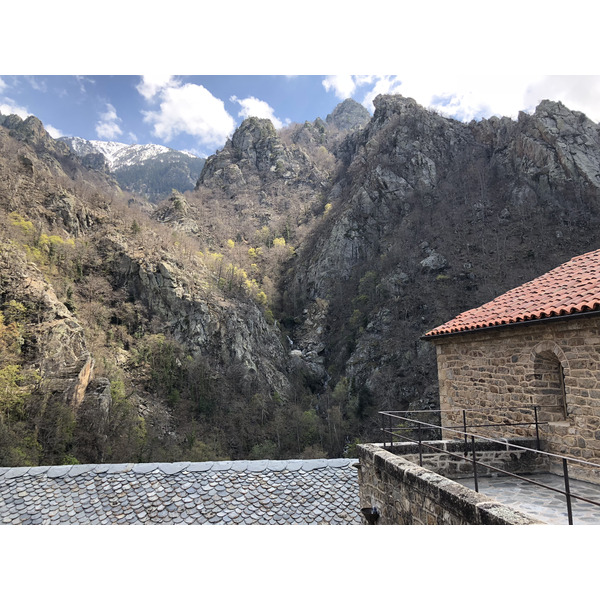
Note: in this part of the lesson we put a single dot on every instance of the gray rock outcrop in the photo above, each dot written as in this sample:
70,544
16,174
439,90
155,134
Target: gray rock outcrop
348,115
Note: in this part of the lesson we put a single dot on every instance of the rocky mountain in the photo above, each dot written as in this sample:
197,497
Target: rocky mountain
348,115
273,309
150,170
431,217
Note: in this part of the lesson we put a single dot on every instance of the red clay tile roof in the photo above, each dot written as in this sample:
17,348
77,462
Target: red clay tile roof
571,288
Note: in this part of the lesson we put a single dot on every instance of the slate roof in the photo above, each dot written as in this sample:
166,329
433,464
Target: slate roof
236,492
572,288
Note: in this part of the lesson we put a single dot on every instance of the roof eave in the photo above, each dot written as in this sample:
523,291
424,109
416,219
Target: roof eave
590,313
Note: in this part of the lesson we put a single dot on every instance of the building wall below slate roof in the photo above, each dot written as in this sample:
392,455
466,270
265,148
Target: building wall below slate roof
492,373
323,492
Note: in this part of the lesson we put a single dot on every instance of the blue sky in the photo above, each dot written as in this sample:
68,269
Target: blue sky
198,113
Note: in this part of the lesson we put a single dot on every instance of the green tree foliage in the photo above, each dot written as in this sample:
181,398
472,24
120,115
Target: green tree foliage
12,394
18,442
126,429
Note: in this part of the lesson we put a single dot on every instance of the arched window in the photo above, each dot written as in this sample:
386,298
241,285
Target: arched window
549,393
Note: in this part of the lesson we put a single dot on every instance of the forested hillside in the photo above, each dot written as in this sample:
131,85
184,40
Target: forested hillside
271,311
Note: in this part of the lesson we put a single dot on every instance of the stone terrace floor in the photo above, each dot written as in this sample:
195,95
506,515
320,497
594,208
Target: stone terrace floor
540,503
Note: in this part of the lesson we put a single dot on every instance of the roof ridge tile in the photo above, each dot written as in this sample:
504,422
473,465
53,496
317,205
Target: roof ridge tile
315,463
16,472
194,467
58,470
173,468
144,468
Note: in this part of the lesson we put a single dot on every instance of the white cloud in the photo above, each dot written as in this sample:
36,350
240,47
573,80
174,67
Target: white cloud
343,86
10,108
53,131
467,96
189,109
108,126
253,107
348,86
3,85
151,85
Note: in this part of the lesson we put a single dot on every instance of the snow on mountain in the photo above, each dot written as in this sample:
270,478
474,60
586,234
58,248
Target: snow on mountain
150,170
117,154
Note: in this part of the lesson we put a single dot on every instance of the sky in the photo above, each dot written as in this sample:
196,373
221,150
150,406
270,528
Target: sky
199,113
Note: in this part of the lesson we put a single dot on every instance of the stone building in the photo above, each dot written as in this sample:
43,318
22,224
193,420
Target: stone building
535,345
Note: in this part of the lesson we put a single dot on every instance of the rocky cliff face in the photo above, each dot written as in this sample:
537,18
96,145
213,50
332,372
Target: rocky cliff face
430,217
259,181
54,340
552,147
227,331
408,158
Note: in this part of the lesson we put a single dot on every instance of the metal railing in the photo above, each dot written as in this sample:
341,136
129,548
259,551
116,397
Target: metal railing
405,424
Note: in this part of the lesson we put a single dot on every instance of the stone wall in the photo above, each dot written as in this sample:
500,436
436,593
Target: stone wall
459,464
499,375
406,494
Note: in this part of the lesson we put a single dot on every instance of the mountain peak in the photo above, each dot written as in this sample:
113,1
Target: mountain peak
251,131
349,114
30,130
117,154
256,142
148,169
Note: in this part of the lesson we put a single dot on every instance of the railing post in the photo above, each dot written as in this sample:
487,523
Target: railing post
537,427
390,430
420,447
474,463
465,430
567,491
383,427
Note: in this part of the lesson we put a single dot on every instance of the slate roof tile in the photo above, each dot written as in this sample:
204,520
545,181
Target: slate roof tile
231,492
571,288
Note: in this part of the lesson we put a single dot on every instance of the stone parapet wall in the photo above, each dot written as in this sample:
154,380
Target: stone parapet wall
493,374
406,494
460,464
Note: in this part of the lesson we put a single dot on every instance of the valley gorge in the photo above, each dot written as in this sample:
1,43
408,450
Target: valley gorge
273,309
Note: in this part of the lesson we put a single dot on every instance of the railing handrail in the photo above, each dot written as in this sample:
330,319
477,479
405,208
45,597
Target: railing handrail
504,441
478,410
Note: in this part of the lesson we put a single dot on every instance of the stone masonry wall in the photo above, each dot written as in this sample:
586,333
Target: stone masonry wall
499,375
459,464
406,494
